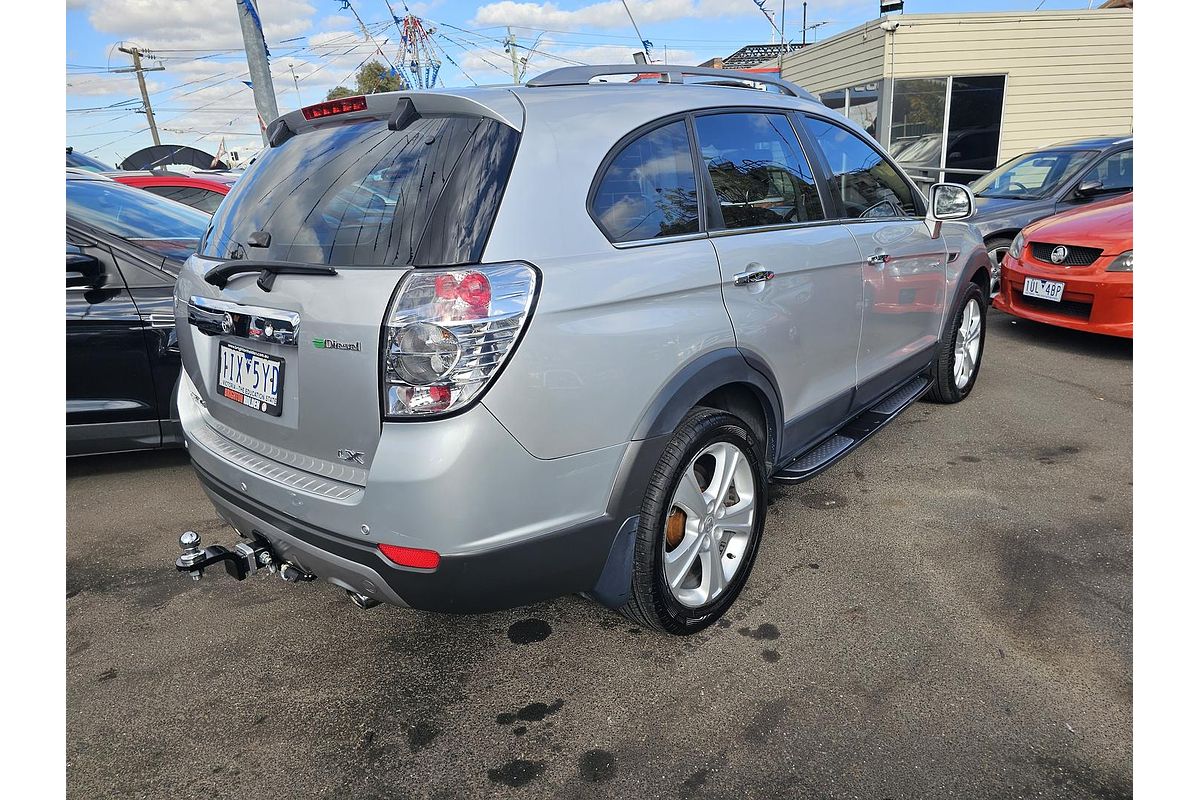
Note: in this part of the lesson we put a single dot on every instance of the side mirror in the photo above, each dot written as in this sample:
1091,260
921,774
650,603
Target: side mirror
83,270
1089,189
950,201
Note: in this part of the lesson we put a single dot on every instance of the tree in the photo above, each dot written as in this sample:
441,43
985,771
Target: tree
372,77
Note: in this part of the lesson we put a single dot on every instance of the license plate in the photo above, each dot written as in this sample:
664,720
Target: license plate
252,379
1047,290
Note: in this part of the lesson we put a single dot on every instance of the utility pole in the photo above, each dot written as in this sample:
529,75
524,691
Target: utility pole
510,44
137,68
296,81
783,36
260,68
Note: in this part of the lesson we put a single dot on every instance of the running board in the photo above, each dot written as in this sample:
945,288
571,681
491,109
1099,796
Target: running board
830,450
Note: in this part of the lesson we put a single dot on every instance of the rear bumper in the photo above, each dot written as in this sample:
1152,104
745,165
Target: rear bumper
511,529
1093,300
566,561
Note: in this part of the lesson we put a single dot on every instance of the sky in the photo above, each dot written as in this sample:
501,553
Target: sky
199,98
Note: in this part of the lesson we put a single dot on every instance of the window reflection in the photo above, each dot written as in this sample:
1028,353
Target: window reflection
868,186
758,170
649,190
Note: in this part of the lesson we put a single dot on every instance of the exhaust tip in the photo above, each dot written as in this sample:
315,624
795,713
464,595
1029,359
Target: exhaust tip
361,600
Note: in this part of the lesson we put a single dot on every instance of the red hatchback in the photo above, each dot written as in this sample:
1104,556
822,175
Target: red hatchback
1074,270
202,191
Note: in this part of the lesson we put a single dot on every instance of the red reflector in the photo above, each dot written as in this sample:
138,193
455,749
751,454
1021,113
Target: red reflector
410,556
328,109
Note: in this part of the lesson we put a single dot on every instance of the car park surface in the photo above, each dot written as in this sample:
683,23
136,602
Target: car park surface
945,613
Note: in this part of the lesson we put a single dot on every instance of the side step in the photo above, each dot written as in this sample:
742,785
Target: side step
830,450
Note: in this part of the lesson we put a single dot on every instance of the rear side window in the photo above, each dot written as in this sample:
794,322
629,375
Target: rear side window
758,170
358,193
649,189
200,199
868,186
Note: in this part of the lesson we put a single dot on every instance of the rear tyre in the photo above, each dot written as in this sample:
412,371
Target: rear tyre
960,352
701,522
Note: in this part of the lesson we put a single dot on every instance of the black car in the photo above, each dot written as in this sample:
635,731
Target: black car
124,250
1045,182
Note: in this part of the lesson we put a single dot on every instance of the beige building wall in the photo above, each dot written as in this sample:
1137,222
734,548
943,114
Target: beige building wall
1070,73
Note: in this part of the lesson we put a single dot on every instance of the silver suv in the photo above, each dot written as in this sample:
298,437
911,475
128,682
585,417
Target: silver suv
470,349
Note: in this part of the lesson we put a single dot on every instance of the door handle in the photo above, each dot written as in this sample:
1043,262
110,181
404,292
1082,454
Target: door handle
757,276
878,260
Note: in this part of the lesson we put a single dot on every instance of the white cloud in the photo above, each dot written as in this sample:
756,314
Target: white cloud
607,14
190,24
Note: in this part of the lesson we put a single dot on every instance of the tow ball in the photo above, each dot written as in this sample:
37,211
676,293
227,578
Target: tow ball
246,558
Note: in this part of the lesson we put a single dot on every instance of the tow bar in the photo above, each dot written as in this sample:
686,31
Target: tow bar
246,558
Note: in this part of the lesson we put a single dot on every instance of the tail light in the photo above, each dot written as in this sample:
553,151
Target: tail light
448,332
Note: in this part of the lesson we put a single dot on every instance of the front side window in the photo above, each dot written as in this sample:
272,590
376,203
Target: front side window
867,185
757,169
160,226
1032,175
1115,173
649,189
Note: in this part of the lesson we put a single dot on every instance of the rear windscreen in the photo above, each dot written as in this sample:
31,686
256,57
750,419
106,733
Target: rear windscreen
358,193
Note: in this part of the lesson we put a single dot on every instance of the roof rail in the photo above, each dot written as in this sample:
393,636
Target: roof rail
580,76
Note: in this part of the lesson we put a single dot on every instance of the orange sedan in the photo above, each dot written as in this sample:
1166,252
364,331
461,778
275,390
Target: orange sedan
1074,270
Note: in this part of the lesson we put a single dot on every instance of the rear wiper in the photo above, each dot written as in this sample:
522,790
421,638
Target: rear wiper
219,276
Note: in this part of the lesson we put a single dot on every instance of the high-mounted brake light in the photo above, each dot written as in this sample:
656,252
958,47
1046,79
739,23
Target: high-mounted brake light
327,109
411,556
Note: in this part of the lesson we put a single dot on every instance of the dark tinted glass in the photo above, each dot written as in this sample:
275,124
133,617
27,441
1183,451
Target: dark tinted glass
200,199
867,185
351,193
758,169
649,189
161,226
1115,172
973,140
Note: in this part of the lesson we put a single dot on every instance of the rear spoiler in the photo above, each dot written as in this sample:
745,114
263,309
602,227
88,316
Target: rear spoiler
399,108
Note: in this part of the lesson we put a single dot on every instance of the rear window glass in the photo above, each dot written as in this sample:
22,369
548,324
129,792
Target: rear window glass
358,193
161,226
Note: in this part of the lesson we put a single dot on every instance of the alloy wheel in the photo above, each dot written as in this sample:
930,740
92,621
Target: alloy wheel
709,524
966,343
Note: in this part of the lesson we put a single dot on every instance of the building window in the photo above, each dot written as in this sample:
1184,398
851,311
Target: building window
973,133
863,107
835,100
918,123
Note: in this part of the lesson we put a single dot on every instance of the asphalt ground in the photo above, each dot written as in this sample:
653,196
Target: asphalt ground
943,614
